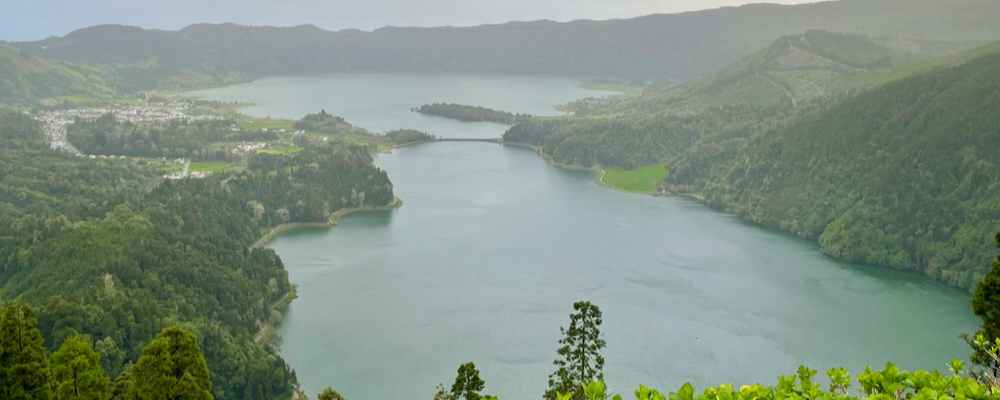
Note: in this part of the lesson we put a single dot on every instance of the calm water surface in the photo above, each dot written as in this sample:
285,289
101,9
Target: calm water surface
493,245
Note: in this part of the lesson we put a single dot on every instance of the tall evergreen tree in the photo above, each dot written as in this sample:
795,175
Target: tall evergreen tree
173,367
24,365
468,385
580,360
986,305
77,373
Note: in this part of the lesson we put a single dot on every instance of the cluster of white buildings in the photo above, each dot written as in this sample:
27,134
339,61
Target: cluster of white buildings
54,122
248,147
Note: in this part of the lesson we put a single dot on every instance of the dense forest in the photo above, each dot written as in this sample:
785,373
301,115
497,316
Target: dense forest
891,166
903,175
120,262
470,113
309,186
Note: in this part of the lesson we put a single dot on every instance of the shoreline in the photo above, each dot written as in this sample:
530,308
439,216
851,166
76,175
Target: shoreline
598,170
333,221
267,331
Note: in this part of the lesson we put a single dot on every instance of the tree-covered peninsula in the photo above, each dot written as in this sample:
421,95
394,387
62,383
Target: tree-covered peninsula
120,262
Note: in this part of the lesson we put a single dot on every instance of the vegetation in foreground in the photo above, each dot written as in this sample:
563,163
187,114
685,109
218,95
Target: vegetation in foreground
579,369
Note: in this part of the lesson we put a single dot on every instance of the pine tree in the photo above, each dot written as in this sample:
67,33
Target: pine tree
171,366
580,360
77,372
468,384
24,366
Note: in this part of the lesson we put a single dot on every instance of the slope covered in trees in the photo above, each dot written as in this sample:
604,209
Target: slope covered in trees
795,75
655,47
120,262
26,79
904,175
891,167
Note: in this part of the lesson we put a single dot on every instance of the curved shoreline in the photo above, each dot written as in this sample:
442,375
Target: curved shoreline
334,219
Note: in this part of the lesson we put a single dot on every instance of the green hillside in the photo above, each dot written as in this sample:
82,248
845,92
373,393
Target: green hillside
890,166
29,79
905,175
108,249
796,75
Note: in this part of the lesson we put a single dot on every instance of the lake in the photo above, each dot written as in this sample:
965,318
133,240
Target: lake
493,245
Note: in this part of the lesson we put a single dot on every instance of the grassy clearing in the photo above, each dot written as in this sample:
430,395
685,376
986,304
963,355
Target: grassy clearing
280,150
266,123
210,167
642,180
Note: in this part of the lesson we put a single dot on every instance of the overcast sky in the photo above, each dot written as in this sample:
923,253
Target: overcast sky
36,19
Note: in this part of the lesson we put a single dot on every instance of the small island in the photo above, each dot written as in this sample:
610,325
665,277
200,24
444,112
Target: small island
468,113
402,137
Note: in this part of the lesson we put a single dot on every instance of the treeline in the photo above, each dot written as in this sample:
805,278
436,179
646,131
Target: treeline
471,113
898,175
102,248
172,139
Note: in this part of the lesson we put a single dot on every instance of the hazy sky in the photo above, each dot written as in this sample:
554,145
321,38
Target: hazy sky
36,19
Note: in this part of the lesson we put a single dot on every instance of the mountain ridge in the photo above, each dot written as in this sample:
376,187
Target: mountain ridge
653,47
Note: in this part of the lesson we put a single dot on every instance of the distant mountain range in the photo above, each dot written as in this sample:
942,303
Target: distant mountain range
656,47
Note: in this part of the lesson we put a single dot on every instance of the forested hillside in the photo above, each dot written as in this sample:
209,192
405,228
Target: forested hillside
795,75
890,166
104,248
25,78
905,175
656,47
